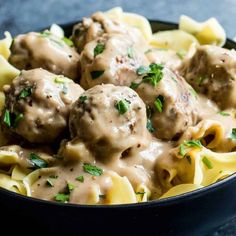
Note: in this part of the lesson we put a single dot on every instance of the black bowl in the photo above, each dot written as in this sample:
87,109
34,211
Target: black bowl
194,213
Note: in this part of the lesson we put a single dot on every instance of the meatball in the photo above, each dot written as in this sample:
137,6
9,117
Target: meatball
35,50
37,105
171,103
110,119
211,70
98,25
166,57
110,59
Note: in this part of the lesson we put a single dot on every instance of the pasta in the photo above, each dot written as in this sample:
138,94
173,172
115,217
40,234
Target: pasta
150,118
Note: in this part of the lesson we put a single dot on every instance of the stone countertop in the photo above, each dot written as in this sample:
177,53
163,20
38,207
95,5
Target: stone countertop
19,16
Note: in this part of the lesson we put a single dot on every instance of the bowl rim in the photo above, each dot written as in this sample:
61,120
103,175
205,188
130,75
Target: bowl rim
157,202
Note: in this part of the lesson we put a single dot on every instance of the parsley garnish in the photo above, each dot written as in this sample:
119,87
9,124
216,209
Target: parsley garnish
130,52
200,79
49,183
83,98
80,178
62,197
152,74
159,103
189,159
140,193
223,113
37,161
181,54
122,106
190,143
182,151
149,126
70,187
134,85
233,134
93,170
17,119
7,118
207,162
59,80
25,92
96,73
68,41
193,92
98,49
193,143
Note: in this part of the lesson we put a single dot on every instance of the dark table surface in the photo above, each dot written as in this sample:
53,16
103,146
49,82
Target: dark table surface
19,16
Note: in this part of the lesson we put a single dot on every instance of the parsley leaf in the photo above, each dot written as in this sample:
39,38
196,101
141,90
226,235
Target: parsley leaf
83,98
130,52
223,113
25,92
182,151
80,178
200,80
98,49
193,143
59,80
7,118
122,106
96,73
70,187
68,41
181,54
37,161
140,193
233,134
49,183
17,119
62,197
159,103
134,85
189,159
149,126
207,162
93,170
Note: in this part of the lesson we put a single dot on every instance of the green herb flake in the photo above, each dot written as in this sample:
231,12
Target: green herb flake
223,113
122,106
17,119
130,52
200,80
134,85
142,70
189,159
193,143
49,183
59,80
80,178
37,161
140,193
193,92
25,92
83,98
207,162
61,197
68,41
159,103
98,49
45,34
93,170
182,151
181,54
96,73
149,126
70,187
7,118
233,134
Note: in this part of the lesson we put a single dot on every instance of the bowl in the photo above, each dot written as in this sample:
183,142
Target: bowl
194,213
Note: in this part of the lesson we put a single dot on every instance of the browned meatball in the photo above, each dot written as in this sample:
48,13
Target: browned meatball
98,25
37,105
110,59
109,119
171,102
211,71
35,50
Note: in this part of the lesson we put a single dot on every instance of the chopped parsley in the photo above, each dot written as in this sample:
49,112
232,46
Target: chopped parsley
70,187
193,92
181,54
189,159
17,119
140,193
200,80
62,197
149,126
193,143
223,113
134,85
83,98
59,80
98,49
37,161
130,52
187,144
49,183
68,41
25,92
52,38
233,134
159,103
7,118
96,73
122,106
93,170
80,178
207,162
152,74
182,151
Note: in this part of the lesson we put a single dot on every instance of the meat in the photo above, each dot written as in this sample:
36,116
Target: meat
38,104
171,103
98,25
211,70
116,63
110,119
166,57
35,50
